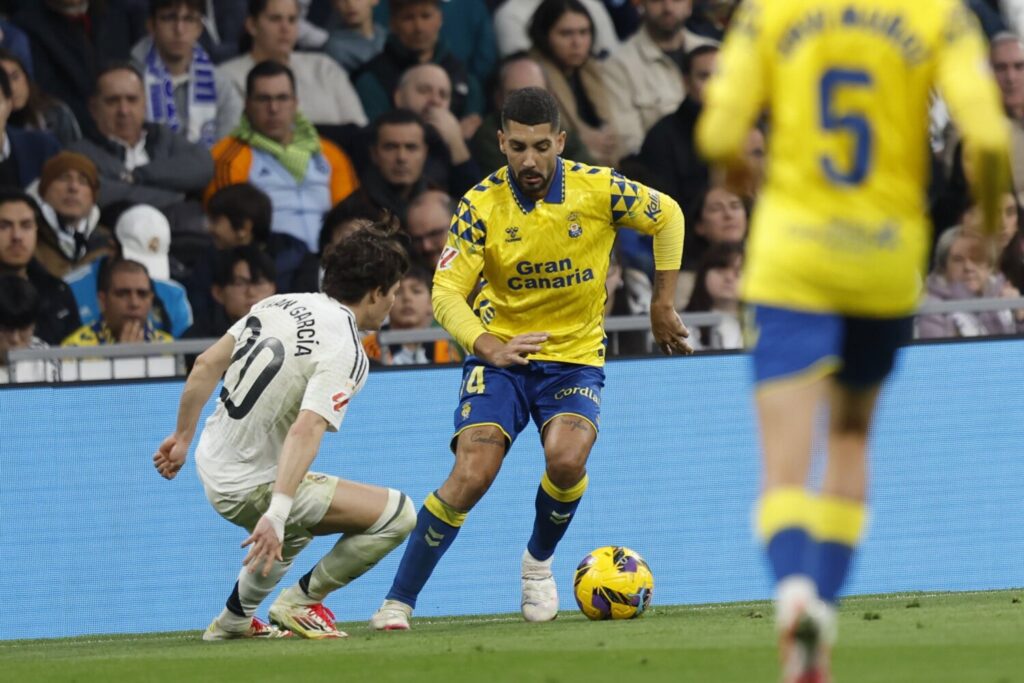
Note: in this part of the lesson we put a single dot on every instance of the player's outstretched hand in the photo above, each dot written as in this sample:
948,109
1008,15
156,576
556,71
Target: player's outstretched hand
512,352
170,456
669,331
266,547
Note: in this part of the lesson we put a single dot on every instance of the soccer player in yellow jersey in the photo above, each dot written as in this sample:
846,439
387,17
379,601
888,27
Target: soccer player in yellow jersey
838,242
539,233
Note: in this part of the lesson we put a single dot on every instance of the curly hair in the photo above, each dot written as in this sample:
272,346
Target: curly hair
369,259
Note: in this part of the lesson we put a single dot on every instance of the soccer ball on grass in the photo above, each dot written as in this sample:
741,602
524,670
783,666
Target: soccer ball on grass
613,582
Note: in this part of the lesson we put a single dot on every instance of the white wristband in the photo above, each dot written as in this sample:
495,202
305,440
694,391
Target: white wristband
277,513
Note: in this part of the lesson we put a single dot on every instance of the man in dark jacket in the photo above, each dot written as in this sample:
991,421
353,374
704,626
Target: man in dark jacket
139,162
668,151
415,39
19,228
71,39
22,152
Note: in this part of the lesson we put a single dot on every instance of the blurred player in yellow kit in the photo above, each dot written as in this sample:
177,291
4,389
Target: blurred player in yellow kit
838,242
540,233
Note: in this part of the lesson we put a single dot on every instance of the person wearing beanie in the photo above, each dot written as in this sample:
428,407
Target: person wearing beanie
70,235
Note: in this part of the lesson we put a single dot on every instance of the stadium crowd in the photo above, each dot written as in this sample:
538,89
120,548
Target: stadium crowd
166,164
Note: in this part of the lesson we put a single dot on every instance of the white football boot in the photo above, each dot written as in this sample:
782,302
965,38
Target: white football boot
257,629
392,616
314,622
540,594
807,628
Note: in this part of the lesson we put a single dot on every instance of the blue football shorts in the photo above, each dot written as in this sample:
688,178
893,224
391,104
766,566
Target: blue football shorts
788,344
508,397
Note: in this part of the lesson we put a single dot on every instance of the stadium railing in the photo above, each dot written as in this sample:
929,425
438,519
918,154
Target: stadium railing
134,361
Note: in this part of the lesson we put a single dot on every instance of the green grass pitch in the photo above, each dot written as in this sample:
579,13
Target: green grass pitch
911,638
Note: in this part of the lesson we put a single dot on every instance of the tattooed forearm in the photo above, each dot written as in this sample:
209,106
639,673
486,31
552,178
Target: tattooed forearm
664,285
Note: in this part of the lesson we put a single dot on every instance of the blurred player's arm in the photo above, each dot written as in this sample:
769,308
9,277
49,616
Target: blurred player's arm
735,98
458,272
659,215
207,371
966,82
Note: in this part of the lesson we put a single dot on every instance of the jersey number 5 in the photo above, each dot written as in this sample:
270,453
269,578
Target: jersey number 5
251,351
856,124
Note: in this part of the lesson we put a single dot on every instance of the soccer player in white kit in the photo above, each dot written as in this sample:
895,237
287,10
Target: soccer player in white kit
291,367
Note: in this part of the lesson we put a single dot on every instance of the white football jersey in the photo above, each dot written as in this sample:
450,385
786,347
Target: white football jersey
292,352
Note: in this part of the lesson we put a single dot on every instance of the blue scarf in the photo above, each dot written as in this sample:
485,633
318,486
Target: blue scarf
202,92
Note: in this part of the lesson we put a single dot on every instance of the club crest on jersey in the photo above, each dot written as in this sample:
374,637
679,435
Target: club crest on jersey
448,257
513,234
575,229
466,408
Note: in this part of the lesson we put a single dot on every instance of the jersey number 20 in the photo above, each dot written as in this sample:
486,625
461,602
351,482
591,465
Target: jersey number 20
855,124
251,351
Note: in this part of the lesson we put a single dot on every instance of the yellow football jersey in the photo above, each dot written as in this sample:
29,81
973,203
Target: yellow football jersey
544,263
841,223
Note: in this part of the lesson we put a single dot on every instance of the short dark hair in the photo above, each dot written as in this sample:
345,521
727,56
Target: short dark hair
547,15
241,202
157,5
531,107
110,68
111,266
11,195
367,260
268,68
395,6
397,117
357,206
694,54
19,303
5,83
419,272
261,266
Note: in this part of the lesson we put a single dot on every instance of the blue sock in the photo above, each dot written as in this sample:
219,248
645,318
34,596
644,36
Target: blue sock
838,526
437,524
555,509
783,525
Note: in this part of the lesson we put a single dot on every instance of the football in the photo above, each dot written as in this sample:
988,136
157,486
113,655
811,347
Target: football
613,582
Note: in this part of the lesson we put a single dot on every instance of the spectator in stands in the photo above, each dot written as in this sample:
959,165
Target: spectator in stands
181,92
964,265
244,277
412,311
468,31
325,94
22,152
717,290
512,20
19,309
19,229
72,40
517,72
711,17
223,28
1007,58
668,150
357,38
32,109
71,235
415,39
237,215
427,224
646,73
398,156
139,162
719,216
277,149
971,221
14,41
142,235
355,213
562,32
425,90
125,295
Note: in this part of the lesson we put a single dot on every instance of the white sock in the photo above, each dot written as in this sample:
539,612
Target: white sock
254,588
355,554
